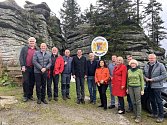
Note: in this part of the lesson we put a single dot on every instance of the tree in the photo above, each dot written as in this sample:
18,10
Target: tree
154,21
70,15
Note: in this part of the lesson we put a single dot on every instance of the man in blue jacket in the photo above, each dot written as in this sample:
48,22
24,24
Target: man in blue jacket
155,75
42,62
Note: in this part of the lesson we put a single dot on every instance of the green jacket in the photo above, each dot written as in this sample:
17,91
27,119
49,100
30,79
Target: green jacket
135,78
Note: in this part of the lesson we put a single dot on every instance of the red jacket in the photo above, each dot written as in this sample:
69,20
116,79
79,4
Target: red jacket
118,80
102,74
59,65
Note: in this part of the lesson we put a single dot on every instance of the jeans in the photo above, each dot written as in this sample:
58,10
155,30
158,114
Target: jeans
111,96
92,88
49,84
130,105
156,101
80,88
65,84
40,79
135,95
102,92
29,81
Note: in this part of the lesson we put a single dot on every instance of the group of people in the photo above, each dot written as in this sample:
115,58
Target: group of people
41,67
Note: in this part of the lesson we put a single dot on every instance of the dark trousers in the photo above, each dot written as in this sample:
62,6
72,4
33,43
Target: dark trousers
80,88
156,101
28,82
102,92
50,78
56,82
40,79
65,84
130,105
121,102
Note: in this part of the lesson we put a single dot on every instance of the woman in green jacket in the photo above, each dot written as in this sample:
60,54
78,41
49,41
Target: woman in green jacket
135,85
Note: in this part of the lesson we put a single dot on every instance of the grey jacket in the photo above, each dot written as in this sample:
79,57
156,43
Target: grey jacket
41,61
68,66
158,74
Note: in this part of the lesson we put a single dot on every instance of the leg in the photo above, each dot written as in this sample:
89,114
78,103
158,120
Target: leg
56,82
111,96
137,93
26,83
130,106
49,85
122,107
32,82
104,97
100,93
43,90
68,79
78,90
38,85
63,85
153,101
90,88
94,90
82,84
132,96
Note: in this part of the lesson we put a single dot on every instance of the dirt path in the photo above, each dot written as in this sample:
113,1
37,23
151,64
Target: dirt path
59,114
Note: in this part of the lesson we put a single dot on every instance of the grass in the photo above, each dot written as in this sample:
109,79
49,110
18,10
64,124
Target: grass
50,112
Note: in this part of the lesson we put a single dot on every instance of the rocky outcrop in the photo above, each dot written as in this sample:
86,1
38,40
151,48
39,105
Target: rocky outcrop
18,24
122,41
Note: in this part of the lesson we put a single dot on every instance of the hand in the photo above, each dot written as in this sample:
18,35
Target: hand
122,87
102,81
65,63
147,79
43,70
127,91
142,92
111,77
85,76
23,68
98,84
74,76
150,80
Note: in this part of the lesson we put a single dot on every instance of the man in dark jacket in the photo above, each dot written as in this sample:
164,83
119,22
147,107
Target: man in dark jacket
79,72
155,75
66,75
27,68
91,68
42,62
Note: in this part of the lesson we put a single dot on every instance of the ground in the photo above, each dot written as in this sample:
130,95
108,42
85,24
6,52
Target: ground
61,112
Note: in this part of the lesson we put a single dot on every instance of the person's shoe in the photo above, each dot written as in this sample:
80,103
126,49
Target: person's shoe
100,106
38,101
94,103
55,98
121,112
82,101
152,115
25,99
44,101
68,97
129,110
138,120
111,106
64,98
105,108
90,101
160,120
49,98
78,101
31,98
133,117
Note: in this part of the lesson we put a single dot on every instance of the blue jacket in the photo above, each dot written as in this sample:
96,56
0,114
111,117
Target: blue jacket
41,61
68,66
158,74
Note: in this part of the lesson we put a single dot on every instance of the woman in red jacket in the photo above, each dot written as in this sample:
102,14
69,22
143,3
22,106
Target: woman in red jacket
119,83
101,78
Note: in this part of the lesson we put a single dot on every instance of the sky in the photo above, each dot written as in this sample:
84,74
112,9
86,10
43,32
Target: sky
55,6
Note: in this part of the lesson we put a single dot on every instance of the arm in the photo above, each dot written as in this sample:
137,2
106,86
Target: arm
124,76
61,65
85,67
107,75
73,66
162,76
141,80
49,63
21,59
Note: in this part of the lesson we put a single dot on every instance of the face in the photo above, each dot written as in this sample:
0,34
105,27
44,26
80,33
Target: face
101,63
79,52
133,65
31,42
67,53
91,57
119,61
54,51
152,58
114,58
129,58
43,47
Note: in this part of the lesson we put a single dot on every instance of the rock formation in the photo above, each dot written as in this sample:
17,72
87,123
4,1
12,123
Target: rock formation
18,24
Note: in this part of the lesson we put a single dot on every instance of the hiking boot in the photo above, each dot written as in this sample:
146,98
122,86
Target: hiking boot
160,120
31,98
152,115
111,106
68,97
39,101
78,101
49,98
138,120
55,98
25,99
64,98
44,101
